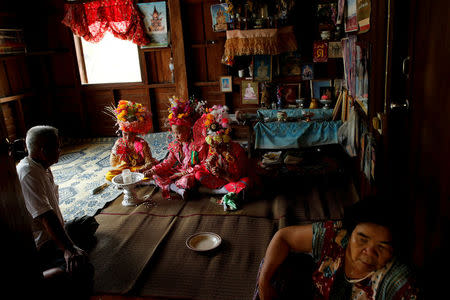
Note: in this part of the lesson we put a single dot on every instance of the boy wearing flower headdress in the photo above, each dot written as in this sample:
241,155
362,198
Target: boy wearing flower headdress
177,171
225,168
130,151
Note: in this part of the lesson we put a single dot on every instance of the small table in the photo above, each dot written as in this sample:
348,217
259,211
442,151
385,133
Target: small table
318,114
300,134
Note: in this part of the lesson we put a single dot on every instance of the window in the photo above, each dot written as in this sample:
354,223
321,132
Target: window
111,60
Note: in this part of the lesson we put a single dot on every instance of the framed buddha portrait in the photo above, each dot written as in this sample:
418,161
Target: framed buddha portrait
226,84
249,92
262,67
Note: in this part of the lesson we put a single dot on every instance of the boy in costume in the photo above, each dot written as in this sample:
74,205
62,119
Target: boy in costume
224,171
130,151
177,171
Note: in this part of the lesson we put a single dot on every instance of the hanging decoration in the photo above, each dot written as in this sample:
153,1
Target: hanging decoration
271,41
91,20
320,51
363,15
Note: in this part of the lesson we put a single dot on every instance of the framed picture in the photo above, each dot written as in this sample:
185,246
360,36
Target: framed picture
327,91
12,41
363,15
327,13
351,22
249,92
291,93
226,84
290,64
155,21
262,67
334,49
307,72
220,17
316,86
320,51
337,87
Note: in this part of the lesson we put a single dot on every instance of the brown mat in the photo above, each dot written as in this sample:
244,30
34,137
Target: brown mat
207,205
142,249
127,239
229,272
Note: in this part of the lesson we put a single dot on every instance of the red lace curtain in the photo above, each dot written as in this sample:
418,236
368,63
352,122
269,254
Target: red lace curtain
91,20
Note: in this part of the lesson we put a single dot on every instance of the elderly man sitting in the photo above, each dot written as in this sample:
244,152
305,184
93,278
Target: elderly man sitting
62,262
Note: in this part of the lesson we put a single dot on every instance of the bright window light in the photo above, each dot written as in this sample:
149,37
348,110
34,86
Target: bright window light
111,60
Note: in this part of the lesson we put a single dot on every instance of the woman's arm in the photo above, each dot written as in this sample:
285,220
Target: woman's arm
292,238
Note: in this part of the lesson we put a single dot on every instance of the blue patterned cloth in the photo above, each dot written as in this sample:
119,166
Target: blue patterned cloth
319,114
83,167
286,135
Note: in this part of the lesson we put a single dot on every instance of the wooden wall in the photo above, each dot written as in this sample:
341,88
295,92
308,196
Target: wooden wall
54,94
44,86
50,79
23,78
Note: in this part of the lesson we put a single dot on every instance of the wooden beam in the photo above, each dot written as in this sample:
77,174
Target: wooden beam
177,42
80,59
206,83
14,97
154,49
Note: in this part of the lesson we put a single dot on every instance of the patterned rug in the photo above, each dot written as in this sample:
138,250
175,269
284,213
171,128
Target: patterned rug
82,168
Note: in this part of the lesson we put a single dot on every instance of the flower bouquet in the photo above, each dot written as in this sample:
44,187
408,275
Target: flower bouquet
132,117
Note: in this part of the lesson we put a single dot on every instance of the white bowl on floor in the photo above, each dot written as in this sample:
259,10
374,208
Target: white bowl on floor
203,241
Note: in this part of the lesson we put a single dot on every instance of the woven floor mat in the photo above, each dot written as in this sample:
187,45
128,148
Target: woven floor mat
208,205
229,272
126,240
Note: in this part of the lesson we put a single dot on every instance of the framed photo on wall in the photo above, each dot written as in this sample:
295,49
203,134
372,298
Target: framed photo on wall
291,92
262,67
249,92
155,21
316,86
337,85
226,84
290,64
308,71
220,17
334,49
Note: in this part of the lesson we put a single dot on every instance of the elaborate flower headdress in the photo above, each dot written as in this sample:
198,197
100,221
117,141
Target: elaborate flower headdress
217,125
180,112
131,117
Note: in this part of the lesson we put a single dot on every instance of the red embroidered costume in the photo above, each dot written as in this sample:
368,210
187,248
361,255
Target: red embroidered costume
184,156
226,163
130,151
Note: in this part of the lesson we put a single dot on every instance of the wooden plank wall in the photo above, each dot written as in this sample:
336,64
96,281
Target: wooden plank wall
48,75
17,99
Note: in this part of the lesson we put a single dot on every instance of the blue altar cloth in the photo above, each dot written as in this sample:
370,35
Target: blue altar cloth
319,114
285,135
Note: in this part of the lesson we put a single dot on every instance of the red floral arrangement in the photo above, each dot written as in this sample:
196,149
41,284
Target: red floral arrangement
180,112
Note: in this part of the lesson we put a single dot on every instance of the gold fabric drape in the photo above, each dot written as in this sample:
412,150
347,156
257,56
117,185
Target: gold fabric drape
271,41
